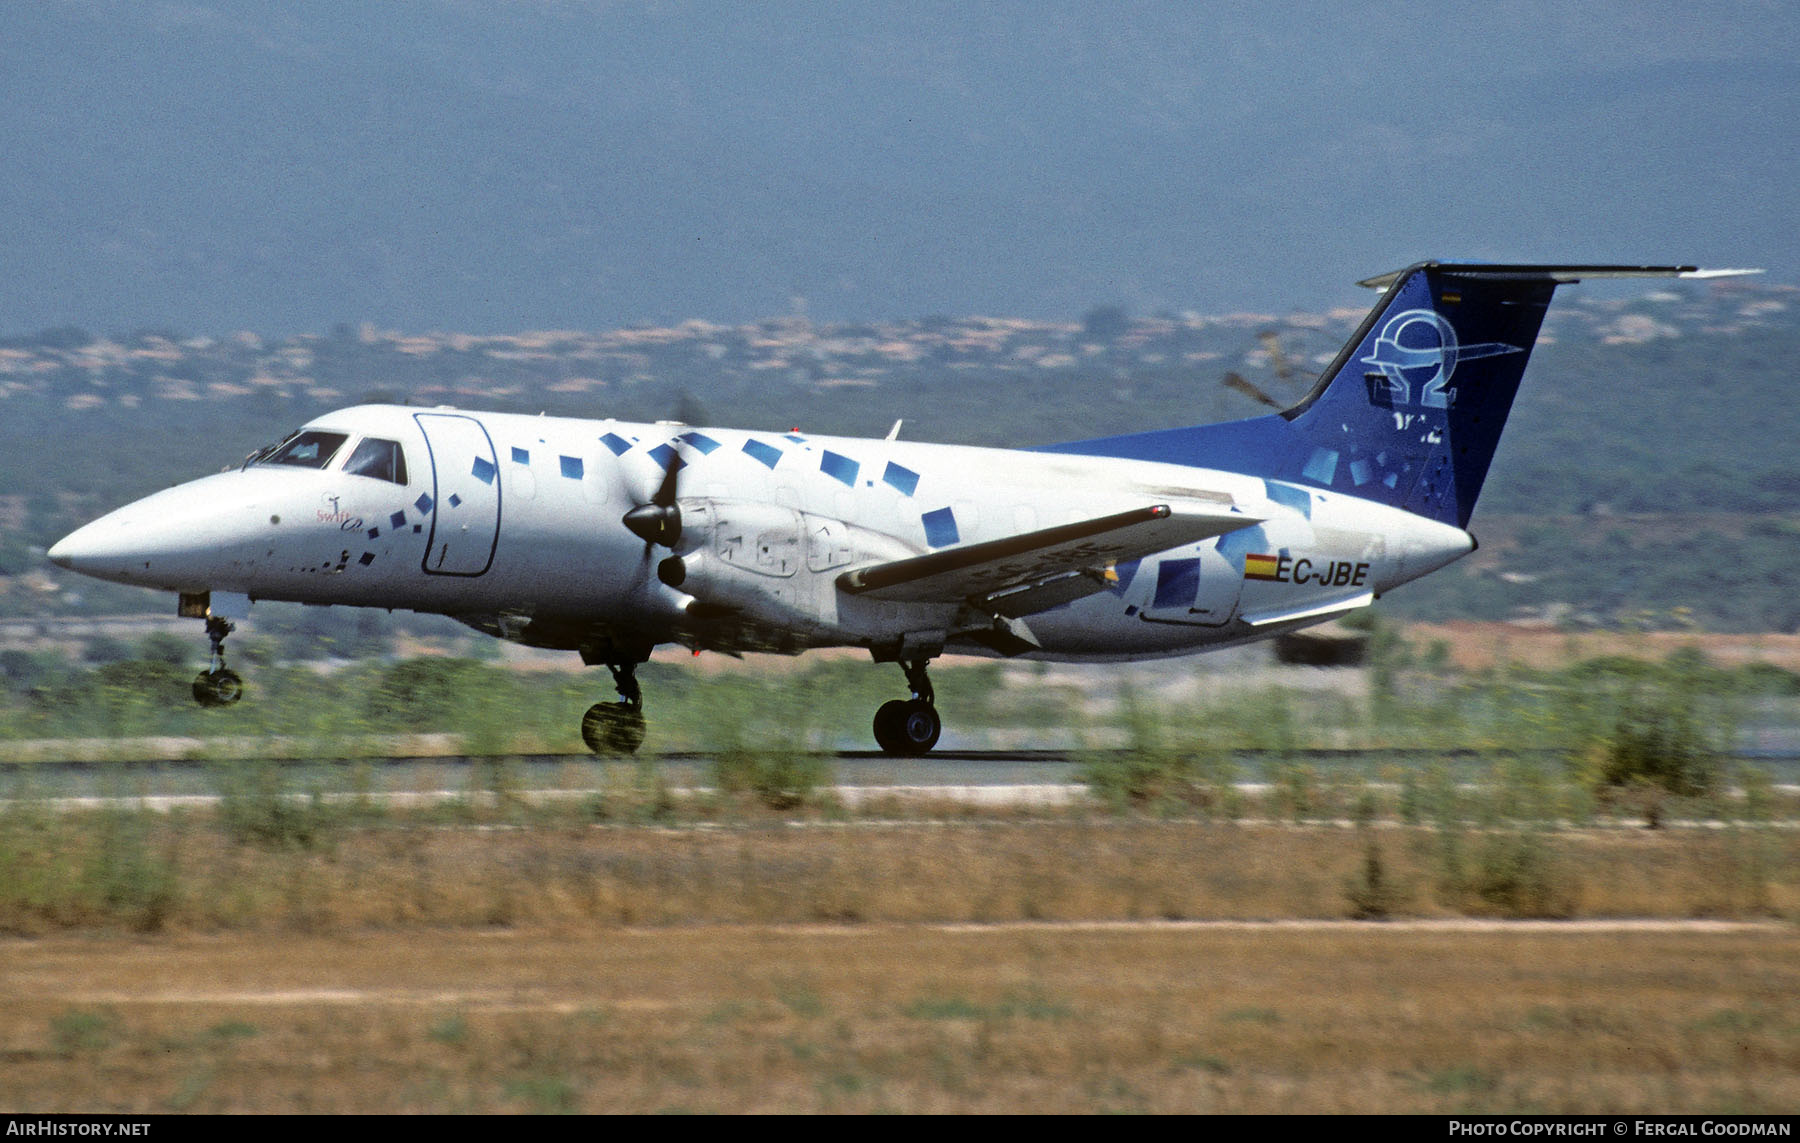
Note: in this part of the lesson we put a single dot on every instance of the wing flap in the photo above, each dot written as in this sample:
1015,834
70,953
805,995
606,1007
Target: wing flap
1042,595
1029,558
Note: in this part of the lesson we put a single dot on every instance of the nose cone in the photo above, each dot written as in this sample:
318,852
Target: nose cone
173,540
109,546
71,551
122,546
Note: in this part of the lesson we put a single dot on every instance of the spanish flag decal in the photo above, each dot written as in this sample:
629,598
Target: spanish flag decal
1260,567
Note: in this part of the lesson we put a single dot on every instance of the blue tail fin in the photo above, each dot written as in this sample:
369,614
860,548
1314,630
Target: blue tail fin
1410,411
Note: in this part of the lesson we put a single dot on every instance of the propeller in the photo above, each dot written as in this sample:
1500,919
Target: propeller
659,522
1279,362
1235,381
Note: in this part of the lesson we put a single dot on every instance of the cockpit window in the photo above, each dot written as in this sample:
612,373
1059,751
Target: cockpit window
380,459
309,449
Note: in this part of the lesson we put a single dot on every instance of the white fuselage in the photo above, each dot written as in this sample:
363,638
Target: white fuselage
513,523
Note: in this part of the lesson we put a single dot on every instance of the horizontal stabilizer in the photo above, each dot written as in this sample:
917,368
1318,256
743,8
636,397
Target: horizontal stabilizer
1560,274
956,574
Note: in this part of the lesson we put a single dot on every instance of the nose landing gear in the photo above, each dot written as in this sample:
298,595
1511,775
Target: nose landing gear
218,685
910,726
617,727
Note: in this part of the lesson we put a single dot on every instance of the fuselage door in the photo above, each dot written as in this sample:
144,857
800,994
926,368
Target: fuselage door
465,509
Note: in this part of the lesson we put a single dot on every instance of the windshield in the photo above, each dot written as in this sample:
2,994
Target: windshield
380,459
308,449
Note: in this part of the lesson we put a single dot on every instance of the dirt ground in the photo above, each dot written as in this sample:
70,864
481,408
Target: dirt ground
1158,1017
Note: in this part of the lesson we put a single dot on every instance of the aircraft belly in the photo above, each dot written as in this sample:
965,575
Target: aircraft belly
1101,627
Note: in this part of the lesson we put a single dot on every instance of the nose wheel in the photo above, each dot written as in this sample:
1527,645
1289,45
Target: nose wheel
218,688
616,728
613,728
910,726
218,685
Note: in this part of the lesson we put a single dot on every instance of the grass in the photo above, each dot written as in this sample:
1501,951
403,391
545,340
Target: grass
587,862
1618,718
627,947
631,951
915,1018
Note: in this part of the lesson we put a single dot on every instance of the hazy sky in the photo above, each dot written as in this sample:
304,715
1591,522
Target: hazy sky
287,165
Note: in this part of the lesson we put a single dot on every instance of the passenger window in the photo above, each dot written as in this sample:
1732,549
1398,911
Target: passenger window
380,459
310,449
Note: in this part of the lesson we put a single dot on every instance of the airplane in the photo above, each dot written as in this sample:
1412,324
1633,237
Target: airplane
611,538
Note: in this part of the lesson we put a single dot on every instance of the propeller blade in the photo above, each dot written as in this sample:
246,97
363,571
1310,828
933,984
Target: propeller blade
665,492
659,522
1237,382
1277,358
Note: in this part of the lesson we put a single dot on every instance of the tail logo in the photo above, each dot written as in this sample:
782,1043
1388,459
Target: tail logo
1417,352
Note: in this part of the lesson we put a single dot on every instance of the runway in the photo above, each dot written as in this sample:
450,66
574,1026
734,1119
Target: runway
859,778
184,777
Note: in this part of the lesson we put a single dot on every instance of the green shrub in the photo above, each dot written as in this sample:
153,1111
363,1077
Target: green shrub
1671,726
125,878
258,807
1155,774
1513,873
781,778
1372,892
1662,747
440,688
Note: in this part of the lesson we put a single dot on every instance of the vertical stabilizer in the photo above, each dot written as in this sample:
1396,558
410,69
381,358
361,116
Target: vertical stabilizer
1410,411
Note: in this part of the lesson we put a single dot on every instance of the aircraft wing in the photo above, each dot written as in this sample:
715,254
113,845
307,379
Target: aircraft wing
1034,571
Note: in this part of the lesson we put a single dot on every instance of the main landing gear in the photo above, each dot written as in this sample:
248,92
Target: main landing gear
903,726
910,726
218,686
617,727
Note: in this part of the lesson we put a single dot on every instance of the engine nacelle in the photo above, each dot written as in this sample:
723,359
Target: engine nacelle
770,564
